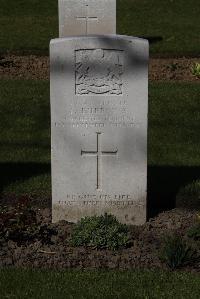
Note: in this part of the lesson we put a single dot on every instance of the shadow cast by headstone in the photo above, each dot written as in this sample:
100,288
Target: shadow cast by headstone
153,39
117,42
12,172
164,182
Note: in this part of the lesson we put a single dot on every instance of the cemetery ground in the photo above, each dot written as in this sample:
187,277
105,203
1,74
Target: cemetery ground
27,237
29,240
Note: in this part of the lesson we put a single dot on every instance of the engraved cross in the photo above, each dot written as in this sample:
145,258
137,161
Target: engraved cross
87,18
99,154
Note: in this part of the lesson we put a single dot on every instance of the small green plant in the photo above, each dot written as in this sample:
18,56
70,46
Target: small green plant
176,252
196,69
100,232
173,66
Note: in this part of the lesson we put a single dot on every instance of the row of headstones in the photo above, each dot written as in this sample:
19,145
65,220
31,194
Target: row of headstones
83,17
99,103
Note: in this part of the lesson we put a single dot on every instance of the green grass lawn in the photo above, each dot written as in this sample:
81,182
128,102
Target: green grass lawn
174,118
15,283
28,26
174,136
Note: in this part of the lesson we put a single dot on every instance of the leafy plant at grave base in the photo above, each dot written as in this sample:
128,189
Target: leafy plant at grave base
176,252
196,69
100,232
189,196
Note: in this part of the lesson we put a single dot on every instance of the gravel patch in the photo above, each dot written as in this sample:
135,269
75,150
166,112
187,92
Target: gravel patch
37,67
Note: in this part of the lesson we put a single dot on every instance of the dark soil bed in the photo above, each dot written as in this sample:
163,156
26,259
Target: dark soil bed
35,67
29,239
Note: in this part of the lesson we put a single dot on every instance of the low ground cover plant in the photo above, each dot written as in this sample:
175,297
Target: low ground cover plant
176,252
196,69
173,66
100,232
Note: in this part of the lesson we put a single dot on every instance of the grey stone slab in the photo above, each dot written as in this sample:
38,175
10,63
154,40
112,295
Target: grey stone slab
99,103
84,17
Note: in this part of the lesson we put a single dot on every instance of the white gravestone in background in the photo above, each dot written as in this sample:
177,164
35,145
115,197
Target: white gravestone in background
83,17
99,103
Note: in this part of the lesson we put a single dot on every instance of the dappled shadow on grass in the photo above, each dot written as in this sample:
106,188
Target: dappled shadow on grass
12,172
164,182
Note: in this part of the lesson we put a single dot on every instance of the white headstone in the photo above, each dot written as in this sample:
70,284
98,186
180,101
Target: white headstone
99,102
84,17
